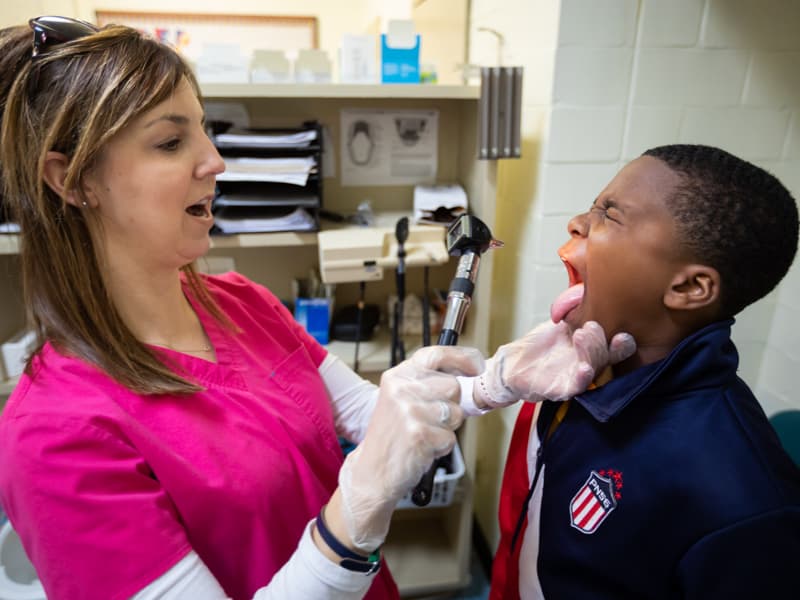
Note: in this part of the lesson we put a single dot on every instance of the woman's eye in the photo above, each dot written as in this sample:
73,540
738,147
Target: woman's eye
170,145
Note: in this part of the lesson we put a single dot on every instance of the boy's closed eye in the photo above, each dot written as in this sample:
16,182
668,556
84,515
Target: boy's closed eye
607,209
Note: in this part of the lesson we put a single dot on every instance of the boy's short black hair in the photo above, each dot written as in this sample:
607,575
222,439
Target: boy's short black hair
733,216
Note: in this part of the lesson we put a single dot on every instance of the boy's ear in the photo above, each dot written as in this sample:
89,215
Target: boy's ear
55,173
693,287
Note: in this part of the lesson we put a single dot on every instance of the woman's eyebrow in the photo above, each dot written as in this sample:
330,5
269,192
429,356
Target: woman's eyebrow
172,118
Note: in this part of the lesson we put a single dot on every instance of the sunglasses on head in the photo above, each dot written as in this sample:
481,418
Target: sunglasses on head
49,31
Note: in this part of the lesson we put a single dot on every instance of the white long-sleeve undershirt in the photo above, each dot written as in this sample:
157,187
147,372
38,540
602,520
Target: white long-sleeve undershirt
308,574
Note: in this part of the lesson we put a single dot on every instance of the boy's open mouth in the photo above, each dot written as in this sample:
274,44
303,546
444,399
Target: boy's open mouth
569,298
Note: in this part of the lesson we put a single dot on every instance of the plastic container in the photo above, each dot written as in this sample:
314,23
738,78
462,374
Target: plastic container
18,579
444,484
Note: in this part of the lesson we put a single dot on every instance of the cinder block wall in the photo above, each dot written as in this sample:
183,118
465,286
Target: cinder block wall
615,78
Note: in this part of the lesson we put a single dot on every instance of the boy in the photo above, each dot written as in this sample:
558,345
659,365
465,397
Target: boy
667,481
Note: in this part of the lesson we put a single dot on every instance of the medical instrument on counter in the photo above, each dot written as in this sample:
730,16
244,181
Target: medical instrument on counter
398,350
469,238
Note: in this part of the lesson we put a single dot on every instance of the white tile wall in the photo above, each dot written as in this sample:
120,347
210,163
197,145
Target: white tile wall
788,171
694,77
789,293
597,22
774,79
753,134
784,339
762,24
751,360
671,23
650,126
564,194
793,147
779,375
552,236
753,324
585,134
592,76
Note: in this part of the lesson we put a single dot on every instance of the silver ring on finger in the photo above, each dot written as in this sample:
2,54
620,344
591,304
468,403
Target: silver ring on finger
444,412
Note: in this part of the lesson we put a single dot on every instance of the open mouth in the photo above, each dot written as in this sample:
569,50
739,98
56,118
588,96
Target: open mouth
200,209
569,298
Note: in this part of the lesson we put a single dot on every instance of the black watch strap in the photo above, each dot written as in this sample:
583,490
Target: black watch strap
351,561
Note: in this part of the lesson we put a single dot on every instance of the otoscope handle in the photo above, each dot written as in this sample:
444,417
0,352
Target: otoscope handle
421,495
448,337
458,301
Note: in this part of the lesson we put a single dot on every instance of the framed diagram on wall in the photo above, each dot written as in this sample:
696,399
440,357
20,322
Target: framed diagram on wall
190,32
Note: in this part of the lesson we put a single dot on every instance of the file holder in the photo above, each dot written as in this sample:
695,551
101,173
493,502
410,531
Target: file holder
280,199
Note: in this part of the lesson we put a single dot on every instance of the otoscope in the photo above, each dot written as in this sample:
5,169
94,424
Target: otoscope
468,237
401,233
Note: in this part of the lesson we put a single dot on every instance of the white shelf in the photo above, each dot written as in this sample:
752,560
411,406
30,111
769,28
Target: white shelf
264,240
335,90
9,243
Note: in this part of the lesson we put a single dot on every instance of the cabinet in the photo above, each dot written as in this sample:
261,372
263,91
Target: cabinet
428,549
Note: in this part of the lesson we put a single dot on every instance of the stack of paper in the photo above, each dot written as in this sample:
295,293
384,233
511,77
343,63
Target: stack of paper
244,139
294,171
258,220
439,204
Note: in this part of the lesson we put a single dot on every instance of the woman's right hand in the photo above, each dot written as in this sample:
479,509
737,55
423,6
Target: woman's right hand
415,417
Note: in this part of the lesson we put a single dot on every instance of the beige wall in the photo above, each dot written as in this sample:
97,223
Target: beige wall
441,23
605,80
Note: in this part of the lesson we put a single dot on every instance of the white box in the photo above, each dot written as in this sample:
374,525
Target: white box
15,352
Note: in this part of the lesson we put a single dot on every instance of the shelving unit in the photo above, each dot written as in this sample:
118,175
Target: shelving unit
428,549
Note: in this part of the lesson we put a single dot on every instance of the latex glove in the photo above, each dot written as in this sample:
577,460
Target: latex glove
550,362
413,423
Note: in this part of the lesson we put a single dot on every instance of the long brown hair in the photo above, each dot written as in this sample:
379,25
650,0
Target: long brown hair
73,100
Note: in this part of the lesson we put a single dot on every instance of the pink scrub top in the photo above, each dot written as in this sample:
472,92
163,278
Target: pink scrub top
109,489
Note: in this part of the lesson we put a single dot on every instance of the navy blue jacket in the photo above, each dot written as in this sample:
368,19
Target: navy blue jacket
669,482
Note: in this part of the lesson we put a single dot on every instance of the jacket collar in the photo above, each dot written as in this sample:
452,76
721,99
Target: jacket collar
705,358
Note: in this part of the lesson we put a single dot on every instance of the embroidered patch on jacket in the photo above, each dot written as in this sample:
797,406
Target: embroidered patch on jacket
596,499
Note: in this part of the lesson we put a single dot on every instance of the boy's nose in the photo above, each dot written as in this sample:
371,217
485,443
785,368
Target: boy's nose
578,225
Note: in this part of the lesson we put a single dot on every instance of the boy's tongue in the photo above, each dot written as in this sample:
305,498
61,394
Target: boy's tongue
566,301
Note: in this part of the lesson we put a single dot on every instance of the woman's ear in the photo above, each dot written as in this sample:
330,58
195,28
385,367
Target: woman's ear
55,173
693,287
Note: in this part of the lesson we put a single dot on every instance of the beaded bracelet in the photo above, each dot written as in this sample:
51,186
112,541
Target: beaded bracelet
350,560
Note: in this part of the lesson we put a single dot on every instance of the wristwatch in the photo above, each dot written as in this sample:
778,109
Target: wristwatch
350,560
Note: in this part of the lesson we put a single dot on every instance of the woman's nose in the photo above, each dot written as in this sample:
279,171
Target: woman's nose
211,162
